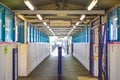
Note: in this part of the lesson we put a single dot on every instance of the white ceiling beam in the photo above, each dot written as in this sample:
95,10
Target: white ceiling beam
100,12
47,20
69,17
55,28
53,17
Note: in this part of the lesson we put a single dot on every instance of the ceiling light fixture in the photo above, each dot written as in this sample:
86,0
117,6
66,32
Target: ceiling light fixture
92,4
53,33
39,16
29,5
45,23
77,23
82,17
74,27
71,30
48,27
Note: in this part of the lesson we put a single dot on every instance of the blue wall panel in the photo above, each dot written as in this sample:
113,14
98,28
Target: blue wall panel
82,36
113,25
2,22
20,30
32,34
35,35
9,26
28,32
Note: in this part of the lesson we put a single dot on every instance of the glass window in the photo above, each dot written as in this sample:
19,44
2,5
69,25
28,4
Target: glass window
35,34
0,25
28,33
9,26
19,35
113,28
2,32
32,34
22,32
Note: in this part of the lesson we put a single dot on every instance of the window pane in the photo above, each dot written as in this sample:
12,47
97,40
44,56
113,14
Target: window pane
28,33
113,28
0,26
32,33
9,25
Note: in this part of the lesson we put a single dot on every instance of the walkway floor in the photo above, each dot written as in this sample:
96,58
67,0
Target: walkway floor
47,70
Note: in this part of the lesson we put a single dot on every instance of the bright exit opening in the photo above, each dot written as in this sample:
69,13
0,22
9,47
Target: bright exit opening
64,42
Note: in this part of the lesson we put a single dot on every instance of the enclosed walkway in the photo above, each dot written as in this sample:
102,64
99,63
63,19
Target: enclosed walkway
47,70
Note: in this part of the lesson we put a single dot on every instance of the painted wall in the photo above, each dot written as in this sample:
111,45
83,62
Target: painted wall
81,52
6,61
81,46
114,61
30,56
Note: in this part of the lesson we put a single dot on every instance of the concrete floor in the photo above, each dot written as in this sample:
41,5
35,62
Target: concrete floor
47,70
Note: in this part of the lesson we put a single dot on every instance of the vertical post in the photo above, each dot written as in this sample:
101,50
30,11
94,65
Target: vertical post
59,62
91,51
25,31
15,63
100,52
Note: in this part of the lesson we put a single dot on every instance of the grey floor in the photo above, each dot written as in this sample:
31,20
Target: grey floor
47,70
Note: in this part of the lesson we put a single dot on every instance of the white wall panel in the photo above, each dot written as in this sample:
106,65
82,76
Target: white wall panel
22,60
114,61
35,53
6,61
81,52
1,63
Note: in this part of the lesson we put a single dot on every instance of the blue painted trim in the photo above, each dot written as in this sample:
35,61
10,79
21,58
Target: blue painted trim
82,36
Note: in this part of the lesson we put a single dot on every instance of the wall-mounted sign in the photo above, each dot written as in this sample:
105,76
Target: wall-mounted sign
60,23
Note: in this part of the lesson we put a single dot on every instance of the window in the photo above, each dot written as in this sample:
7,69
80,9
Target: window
113,28
32,34
2,31
0,25
28,32
35,30
9,26
19,35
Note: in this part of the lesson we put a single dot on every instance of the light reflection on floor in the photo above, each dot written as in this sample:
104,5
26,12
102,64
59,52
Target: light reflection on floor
55,52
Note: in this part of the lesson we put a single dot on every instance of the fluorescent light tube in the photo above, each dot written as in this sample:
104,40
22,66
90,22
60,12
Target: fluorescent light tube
92,4
29,5
77,23
71,29
82,17
53,33
45,23
74,27
39,16
48,27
